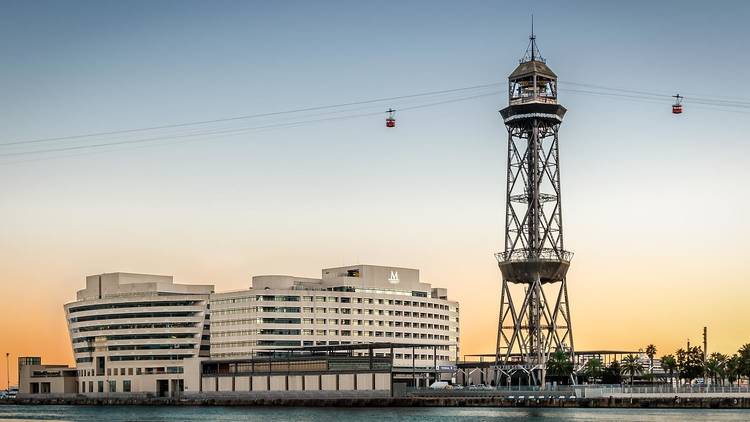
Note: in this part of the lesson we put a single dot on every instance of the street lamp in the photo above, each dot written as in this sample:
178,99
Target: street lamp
7,371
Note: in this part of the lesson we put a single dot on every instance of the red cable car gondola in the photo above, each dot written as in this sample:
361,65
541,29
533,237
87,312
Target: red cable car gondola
390,120
677,106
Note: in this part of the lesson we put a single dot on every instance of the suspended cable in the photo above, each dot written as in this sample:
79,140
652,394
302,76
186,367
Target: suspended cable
231,131
249,116
199,129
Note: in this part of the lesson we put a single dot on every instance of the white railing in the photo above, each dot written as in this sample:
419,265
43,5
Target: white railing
668,389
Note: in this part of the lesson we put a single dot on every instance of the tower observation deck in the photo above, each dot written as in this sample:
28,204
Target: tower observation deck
534,319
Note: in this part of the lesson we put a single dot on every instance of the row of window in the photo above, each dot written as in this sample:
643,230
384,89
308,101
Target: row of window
345,311
149,357
343,333
133,305
339,322
136,337
135,326
330,299
136,371
111,386
90,349
417,356
310,332
173,314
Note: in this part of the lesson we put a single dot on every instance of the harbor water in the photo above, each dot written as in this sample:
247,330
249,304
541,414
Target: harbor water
414,414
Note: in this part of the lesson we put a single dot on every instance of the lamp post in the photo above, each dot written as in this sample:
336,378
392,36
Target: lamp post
7,371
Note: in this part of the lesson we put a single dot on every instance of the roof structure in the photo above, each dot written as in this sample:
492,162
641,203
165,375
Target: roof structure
531,67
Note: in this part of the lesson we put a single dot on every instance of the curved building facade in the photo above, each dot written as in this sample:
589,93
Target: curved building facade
347,305
136,333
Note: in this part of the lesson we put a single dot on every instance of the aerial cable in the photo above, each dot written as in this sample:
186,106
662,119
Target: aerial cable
197,128
250,116
231,131
735,102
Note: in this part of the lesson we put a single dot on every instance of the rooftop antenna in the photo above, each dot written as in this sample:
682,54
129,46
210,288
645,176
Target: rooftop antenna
532,51
532,37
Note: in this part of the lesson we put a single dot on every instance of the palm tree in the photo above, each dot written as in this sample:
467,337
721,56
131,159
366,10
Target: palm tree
560,365
632,366
733,369
593,368
651,352
716,366
744,355
669,363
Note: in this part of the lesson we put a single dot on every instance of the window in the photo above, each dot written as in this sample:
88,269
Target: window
126,386
113,386
130,371
100,386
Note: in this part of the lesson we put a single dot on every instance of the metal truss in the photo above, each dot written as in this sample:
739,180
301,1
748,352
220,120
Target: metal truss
533,220
528,334
534,317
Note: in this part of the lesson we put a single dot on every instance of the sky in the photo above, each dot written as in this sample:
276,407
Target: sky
654,205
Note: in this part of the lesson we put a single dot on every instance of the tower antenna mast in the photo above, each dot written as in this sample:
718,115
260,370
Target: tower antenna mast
532,38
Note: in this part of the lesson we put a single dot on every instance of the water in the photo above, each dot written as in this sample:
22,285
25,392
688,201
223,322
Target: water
416,414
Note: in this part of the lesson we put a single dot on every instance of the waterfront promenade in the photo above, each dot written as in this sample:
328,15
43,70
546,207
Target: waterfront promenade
585,396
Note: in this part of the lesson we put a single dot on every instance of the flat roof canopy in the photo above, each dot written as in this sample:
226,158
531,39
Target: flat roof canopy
577,353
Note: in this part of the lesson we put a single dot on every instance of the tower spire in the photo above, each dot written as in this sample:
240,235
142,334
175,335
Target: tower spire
532,38
532,51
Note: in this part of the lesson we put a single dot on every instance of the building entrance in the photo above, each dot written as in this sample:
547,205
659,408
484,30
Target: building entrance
162,388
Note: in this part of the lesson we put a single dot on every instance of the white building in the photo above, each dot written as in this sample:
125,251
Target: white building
136,333
347,305
144,334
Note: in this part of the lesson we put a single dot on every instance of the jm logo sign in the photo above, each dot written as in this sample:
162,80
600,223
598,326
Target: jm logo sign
393,278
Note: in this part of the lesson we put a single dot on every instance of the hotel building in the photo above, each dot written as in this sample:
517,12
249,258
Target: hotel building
348,305
144,334
136,333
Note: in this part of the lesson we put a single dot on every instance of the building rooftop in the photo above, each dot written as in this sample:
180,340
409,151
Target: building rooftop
355,277
119,284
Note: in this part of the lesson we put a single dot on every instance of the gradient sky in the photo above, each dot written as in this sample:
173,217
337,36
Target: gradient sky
655,206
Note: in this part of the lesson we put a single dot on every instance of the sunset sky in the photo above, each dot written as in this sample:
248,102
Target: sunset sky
655,205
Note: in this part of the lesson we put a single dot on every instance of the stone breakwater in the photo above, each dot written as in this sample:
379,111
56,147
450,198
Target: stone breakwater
496,401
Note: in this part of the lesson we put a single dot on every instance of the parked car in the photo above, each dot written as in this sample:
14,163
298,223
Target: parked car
440,385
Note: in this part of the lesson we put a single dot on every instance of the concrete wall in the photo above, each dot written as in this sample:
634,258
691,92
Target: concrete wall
62,384
297,382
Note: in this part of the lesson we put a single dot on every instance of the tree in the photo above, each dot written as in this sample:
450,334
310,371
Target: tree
631,365
716,366
690,363
651,352
593,369
744,357
669,363
611,375
733,368
559,365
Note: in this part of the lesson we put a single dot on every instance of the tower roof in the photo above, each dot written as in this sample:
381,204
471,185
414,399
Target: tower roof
530,67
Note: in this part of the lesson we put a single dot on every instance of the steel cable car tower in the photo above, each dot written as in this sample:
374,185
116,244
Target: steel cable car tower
534,319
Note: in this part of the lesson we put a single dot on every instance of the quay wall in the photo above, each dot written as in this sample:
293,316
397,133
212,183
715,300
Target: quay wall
379,399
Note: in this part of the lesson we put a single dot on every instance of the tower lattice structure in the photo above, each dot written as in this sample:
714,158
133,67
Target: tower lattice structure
534,319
